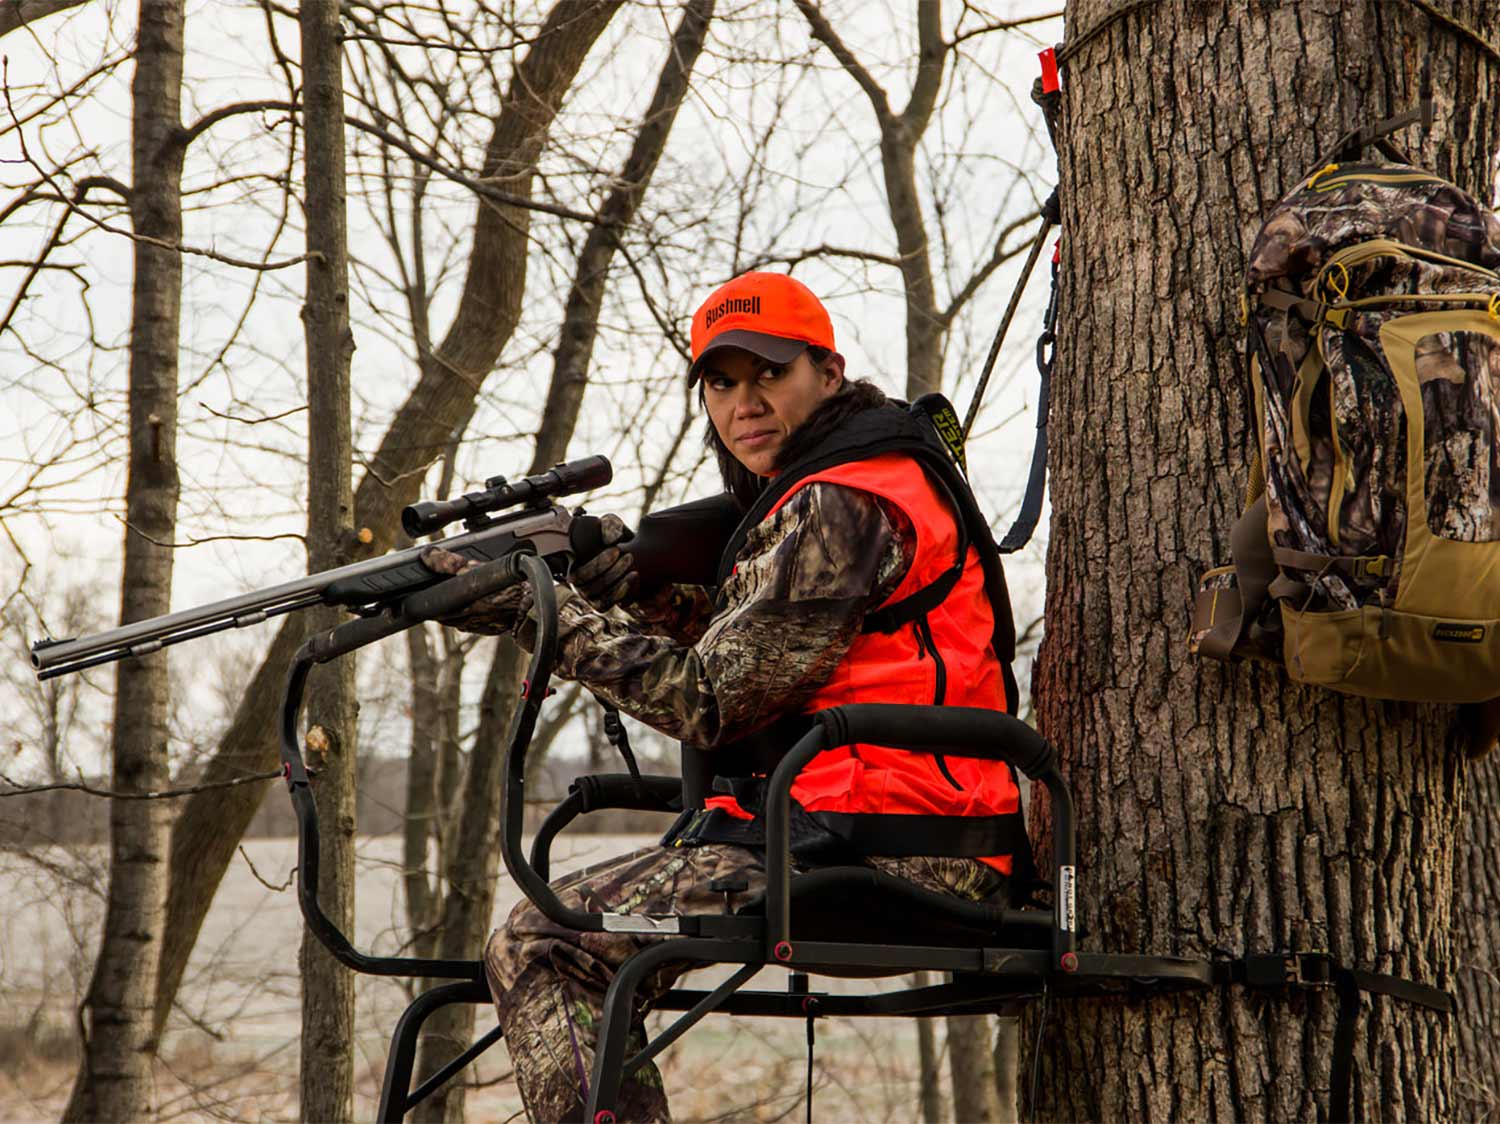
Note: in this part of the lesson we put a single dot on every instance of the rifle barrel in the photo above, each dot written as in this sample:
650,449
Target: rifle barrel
60,657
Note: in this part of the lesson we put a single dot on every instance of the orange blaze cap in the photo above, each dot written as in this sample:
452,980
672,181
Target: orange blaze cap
768,314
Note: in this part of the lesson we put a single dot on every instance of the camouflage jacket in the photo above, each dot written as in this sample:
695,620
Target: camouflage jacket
710,673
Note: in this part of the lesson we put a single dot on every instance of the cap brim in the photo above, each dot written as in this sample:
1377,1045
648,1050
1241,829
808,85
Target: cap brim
778,349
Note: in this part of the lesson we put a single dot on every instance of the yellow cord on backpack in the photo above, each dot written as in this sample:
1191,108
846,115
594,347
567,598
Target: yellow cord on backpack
1494,308
1339,287
1312,184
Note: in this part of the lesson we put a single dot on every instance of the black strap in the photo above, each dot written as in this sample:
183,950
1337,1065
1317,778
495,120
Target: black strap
930,596
1347,984
614,730
1280,971
1036,480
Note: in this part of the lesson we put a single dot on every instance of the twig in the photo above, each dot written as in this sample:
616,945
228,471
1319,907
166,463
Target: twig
161,243
1003,25
252,421
278,889
210,538
165,794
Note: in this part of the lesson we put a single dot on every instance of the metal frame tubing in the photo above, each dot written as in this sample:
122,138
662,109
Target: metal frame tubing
324,929
394,1101
619,1002
921,730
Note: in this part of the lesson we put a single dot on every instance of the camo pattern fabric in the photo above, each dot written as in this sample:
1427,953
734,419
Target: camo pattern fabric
1460,377
681,612
549,981
784,621
1335,427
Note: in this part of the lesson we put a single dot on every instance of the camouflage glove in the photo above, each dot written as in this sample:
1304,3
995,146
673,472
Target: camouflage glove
500,613
609,577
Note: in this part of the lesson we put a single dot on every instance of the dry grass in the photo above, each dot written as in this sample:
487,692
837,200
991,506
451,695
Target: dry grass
231,1049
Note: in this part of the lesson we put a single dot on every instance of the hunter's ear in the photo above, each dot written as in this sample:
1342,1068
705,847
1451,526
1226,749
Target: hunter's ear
833,368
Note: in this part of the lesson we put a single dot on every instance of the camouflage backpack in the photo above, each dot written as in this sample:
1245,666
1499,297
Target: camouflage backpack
1368,556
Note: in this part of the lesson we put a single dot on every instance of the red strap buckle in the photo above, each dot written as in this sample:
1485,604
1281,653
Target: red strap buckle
1050,84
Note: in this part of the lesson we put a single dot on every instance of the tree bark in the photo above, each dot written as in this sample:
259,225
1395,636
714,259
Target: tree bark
1224,810
929,1073
327,1044
1476,948
114,1076
212,823
420,821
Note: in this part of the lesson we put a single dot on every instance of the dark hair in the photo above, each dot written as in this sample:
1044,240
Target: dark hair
855,396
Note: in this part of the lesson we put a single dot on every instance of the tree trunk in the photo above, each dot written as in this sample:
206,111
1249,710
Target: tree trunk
212,823
419,823
470,873
114,1077
1476,948
1007,1055
575,343
929,1073
971,1064
900,133
1223,810
471,864
327,1073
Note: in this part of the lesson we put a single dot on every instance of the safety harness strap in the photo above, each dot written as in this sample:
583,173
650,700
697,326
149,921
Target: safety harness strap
1280,971
1347,984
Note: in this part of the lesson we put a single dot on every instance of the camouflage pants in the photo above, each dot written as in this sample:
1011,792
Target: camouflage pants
549,981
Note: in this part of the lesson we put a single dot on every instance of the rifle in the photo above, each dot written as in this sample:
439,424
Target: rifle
676,545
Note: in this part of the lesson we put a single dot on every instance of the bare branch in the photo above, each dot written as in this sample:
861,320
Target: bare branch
251,864
1003,25
998,257
479,187
80,192
824,251
74,208
18,13
931,55
211,538
190,133
824,33
253,421
17,789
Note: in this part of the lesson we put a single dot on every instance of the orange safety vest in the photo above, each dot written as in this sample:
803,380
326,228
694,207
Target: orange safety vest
945,658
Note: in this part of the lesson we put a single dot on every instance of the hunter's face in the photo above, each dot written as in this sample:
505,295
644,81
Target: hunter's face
755,404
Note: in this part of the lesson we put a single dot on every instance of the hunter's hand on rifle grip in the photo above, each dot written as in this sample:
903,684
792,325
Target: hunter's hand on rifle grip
609,577
493,615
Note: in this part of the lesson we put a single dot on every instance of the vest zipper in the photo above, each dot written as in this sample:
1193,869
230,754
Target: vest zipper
926,647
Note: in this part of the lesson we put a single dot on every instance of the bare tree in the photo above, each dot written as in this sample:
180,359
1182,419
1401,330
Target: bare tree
970,1053
470,863
327,1074
927,322
114,1077
1226,809
205,835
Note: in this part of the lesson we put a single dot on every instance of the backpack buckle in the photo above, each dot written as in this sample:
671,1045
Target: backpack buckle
1338,317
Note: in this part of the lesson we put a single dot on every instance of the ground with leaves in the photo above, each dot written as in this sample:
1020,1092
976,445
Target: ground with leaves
231,1050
